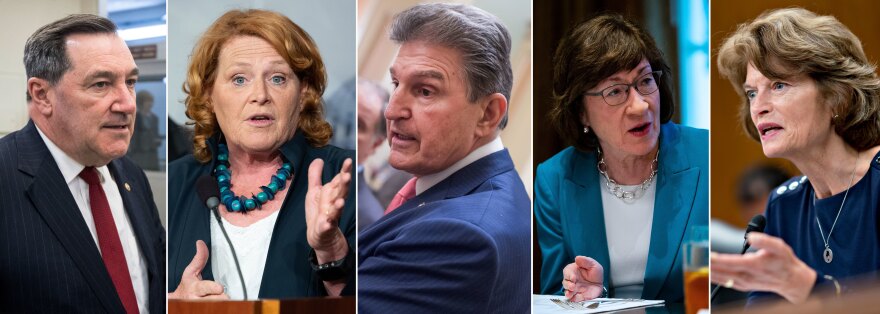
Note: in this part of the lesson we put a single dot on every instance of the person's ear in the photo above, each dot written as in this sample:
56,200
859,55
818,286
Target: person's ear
584,119
494,108
39,90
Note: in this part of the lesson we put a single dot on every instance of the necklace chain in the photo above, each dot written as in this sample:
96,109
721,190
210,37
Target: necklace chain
616,189
826,240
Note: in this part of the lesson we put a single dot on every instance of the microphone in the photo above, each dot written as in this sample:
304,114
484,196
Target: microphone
756,224
209,192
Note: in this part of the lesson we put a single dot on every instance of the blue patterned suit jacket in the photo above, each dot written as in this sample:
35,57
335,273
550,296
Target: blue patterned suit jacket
462,246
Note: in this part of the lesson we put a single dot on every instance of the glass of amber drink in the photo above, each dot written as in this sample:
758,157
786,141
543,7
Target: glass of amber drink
696,269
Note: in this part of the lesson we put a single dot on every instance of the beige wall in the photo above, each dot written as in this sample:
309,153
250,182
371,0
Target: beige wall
21,19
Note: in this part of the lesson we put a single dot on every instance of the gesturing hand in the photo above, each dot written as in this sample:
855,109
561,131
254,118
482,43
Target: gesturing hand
582,280
323,208
191,284
773,267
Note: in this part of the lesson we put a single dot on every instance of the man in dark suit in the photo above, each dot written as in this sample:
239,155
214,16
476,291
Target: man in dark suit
78,226
456,238
371,100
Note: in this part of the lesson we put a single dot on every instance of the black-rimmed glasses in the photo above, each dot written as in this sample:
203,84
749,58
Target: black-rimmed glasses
618,93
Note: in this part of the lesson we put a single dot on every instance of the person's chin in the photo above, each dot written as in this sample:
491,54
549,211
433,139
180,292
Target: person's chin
110,153
773,150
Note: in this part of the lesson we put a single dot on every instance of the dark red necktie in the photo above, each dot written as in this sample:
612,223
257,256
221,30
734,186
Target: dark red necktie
108,240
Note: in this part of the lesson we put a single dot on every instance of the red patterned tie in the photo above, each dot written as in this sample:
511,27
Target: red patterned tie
407,192
108,240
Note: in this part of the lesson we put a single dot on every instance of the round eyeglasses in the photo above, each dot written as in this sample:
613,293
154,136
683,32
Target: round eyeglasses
618,93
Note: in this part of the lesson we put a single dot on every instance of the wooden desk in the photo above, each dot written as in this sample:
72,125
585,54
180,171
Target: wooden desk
862,298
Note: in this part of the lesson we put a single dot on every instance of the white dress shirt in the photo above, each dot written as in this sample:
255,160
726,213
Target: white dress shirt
426,182
251,245
628,231
70,170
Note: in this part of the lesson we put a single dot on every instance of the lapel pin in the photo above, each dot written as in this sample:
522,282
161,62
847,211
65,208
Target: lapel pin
127,187
422,204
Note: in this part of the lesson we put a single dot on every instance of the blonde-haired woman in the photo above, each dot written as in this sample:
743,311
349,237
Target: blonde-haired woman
810,96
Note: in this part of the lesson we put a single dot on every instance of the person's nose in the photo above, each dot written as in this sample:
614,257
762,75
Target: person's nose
124,100
398,106
637,103
759,105
259,93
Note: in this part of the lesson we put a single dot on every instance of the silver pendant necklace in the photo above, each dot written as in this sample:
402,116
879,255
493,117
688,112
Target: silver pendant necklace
616,189
827,254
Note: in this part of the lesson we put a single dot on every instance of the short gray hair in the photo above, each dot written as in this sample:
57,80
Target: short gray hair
45,54
482,39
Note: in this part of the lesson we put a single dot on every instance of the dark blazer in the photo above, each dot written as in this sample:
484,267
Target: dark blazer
792,213
462,246
569,214
288,272
49,261
369,210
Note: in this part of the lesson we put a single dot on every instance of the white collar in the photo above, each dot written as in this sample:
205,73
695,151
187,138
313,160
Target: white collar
426,182
70,168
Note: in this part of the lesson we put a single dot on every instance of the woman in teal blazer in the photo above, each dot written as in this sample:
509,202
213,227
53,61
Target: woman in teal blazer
613,210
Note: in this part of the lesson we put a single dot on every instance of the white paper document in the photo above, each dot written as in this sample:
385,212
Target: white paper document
542,304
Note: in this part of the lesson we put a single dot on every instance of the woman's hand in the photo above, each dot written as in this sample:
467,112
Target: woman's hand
774,268
191,284
582,280
323,208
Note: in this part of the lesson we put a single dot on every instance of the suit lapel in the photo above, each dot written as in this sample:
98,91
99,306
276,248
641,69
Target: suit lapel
52,199
676,188
585,220
462,181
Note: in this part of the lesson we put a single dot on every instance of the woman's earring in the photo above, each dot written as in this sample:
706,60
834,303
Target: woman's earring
586,130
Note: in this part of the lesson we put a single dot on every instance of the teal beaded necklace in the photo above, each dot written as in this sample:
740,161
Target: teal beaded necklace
236,203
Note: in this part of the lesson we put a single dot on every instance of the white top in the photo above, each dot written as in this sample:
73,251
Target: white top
70,170
426,182
251,245
628,230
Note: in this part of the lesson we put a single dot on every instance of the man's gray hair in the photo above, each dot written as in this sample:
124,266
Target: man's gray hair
45,55
482,39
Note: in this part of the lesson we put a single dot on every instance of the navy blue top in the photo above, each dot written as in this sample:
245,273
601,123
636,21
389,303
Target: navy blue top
855,242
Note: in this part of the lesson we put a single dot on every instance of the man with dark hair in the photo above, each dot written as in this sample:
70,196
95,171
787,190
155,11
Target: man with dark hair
457,236
79,227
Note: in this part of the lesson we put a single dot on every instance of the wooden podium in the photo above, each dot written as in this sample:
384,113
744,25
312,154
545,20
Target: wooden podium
305,305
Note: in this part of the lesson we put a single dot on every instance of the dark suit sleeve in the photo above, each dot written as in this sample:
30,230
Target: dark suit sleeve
439,265
549,226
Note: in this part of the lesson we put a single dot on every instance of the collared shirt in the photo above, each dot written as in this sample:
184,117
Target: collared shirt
70,170
426,182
